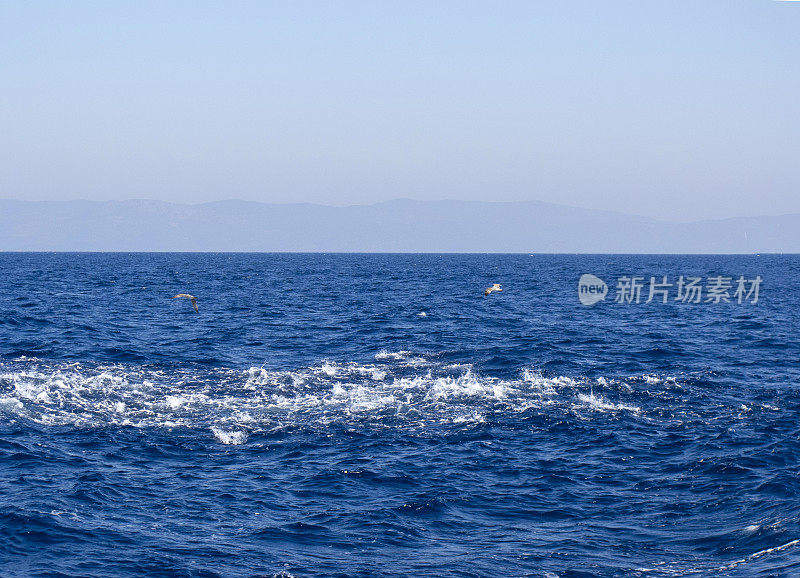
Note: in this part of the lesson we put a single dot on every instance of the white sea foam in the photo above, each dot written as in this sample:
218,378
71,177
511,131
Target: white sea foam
231,438
234,403
397,355
752,528
759,554
404,357
599,404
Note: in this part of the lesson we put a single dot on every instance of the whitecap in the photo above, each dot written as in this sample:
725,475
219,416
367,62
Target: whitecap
602,405
256,398
396,355
231,438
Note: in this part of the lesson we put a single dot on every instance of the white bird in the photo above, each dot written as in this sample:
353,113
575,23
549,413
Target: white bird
492,289
191,298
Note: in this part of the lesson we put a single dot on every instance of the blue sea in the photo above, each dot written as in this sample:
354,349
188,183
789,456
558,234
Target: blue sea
377,415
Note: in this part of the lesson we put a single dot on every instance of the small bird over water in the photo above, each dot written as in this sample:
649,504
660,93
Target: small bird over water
492,289
193,299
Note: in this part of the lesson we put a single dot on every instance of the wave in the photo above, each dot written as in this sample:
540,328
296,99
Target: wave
397,388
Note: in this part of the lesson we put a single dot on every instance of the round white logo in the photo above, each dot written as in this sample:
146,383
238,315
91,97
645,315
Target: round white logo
591,289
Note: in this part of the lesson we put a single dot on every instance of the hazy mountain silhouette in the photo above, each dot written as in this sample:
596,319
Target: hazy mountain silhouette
394,226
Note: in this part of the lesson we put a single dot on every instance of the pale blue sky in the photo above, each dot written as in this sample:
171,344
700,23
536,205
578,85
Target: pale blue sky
676,109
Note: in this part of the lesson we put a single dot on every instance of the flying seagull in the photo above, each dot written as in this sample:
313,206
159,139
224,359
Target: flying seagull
492,289
191,298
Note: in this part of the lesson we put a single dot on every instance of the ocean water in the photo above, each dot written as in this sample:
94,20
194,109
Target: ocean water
376,415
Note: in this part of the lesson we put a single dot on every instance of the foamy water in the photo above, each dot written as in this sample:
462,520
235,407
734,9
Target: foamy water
400,389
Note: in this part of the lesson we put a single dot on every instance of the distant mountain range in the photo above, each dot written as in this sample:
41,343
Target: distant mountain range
394,226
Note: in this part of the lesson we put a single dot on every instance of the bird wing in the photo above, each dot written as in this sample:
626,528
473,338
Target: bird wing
194,304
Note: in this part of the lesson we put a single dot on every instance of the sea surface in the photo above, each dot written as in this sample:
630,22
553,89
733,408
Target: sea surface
377,415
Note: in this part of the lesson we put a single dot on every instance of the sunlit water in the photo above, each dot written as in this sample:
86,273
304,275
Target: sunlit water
377,415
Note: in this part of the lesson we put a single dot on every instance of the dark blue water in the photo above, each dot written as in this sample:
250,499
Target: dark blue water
311,421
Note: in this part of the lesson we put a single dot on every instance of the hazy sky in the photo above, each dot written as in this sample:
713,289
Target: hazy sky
676,109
